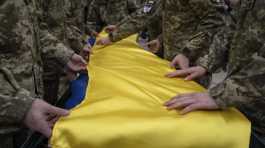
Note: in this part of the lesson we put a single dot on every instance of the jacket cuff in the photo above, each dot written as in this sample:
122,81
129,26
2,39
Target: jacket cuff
204,62
217,94
66,54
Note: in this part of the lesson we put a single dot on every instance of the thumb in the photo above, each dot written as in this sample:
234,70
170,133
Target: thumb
82,60
191,76
57,111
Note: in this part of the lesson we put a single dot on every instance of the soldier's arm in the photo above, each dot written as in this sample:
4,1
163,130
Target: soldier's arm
246,83
52,47
49,45
136,22
241,89
93,20
216,56
209,25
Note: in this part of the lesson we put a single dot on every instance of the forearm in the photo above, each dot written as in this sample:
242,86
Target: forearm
93,18
197,47
136,22
52,47
216,57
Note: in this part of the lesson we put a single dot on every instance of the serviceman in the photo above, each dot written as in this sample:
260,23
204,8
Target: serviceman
188,27
150,36
244,86
108,12
21,87
64,21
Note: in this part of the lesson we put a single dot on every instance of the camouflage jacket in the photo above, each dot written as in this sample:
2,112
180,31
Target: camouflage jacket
17,47
187,25
244,86
63,23
108,12
138,21
21,59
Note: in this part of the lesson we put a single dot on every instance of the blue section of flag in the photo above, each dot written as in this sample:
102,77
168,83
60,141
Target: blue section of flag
78,91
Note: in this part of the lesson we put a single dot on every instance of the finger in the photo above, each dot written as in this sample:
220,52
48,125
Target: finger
82,68
171,74
192,76
57,111
190,108
181,103
169,102
174,99
153,48
178,73
83,61
78,59
50,117
77,68
88,49
53,121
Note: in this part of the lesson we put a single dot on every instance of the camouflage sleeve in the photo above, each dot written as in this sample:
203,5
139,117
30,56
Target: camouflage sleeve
93,19
245,85
211,21
15,101
52,47
218,50
242,88
136,22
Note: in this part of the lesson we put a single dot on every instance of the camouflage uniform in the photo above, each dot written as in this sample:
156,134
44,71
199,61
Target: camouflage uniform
64,23
137,21
20,64
17,86
108,12
154,29
188,26
244,86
